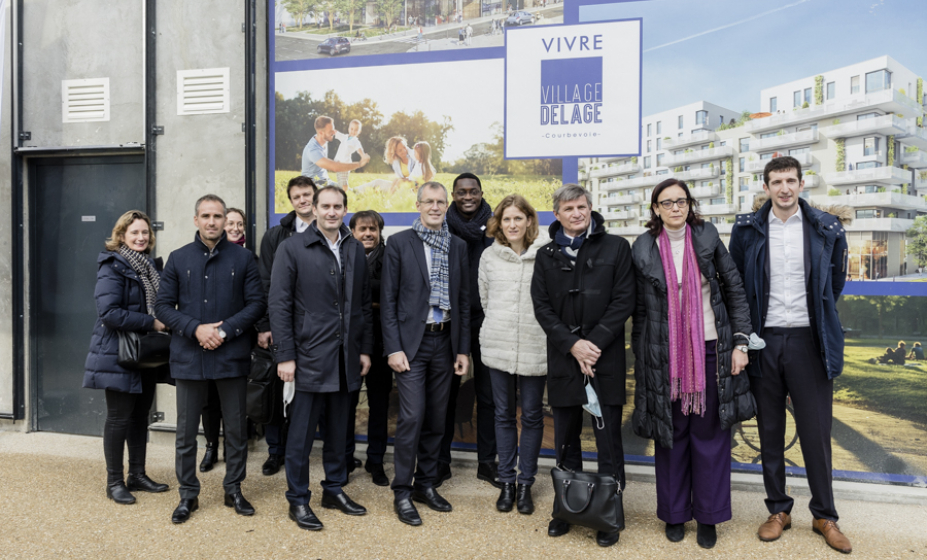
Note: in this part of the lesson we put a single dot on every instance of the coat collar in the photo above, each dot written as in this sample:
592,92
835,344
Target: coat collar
596,227
313,235
219,244
506,253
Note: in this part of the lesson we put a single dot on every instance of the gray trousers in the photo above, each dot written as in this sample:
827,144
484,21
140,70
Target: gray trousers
191,397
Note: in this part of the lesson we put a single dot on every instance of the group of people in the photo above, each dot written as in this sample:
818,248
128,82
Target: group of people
899,354
411,166
466,286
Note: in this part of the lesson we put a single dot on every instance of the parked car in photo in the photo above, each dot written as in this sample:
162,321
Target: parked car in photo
335,45
520,18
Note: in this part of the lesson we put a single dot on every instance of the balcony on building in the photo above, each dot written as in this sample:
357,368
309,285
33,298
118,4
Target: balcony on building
698,174
889,100
803,137
914,160
875,175
691,139
705,192
895,200
900,225
611,170
615,200
620,215
758,165
725,228
636,183
718,209
920,184
888,125
629,231
917,136
696,156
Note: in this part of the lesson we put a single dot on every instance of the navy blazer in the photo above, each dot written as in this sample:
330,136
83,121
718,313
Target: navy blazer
405,287
825,275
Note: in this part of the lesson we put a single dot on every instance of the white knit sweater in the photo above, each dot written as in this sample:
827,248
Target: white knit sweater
511,339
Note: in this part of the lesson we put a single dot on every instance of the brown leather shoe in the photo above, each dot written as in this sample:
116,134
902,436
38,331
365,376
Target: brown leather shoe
772,529
832,535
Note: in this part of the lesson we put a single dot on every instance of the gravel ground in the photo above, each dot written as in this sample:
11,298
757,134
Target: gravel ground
52,493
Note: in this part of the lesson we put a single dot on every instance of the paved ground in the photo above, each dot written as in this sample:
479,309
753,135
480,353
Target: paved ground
52,497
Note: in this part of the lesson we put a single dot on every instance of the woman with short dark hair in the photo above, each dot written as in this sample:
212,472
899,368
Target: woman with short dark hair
689,388
126,290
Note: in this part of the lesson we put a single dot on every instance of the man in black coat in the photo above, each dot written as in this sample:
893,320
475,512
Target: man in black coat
367,227
322,322
210,297
425,309
466,218
584,291
300,190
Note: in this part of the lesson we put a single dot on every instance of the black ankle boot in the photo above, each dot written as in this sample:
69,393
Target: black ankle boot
523,499
506,497
117,492
707,536
210,458
141,483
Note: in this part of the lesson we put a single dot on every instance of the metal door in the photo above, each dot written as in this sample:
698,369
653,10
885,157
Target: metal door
75,203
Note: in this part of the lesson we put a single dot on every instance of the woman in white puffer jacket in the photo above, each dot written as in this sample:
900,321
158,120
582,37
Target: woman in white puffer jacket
514,346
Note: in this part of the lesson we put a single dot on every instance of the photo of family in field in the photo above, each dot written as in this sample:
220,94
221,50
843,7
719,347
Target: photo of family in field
383,135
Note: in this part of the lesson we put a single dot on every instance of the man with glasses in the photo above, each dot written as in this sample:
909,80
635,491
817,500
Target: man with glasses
425,310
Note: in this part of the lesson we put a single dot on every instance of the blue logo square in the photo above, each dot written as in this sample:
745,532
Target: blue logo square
571,80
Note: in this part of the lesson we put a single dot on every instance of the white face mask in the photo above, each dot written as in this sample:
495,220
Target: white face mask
592,405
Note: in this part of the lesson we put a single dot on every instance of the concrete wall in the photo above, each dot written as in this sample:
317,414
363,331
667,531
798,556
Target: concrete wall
6,229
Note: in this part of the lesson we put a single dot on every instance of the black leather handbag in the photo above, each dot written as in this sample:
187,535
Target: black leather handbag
264,400
143,350
589,499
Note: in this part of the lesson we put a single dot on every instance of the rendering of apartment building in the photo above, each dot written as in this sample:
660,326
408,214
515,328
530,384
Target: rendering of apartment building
858,132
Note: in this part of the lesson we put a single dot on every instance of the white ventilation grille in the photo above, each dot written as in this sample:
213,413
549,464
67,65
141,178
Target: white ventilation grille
202,91
85,100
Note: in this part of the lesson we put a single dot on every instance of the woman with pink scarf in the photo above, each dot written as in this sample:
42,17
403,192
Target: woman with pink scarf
691,327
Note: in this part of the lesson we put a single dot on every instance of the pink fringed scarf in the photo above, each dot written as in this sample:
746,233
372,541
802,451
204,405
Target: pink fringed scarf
686,327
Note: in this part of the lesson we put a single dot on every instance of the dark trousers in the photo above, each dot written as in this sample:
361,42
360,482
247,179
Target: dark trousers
791,365
568,425
275,435
127,425
379,381
694,477
305,412
212,415
191,397
485,407
525,452
423,394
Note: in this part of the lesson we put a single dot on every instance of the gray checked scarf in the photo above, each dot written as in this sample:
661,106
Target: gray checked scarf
440,244
147,273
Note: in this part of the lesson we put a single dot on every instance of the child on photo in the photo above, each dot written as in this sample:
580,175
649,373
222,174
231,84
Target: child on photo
350,145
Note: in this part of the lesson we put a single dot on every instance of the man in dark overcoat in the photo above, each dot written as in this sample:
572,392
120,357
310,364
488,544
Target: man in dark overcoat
584,291
210,298
320,314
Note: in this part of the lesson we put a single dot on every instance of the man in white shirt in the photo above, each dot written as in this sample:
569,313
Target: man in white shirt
793,259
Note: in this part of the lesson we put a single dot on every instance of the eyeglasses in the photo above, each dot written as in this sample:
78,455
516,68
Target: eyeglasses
682,203
429,203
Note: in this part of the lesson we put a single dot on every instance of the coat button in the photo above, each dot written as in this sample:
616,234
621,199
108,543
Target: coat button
336,303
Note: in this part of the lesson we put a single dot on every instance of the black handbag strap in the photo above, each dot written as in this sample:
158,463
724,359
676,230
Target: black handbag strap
590,489
608,434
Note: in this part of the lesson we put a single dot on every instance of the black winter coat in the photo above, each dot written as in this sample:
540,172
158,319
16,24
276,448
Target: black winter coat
269,244
316,311
121,306
653,418
202,286
590,301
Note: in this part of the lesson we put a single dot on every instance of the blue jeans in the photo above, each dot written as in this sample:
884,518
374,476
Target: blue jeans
532,424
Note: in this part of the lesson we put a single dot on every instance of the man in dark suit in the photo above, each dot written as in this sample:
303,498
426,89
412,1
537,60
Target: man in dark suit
210,297
793,259
425,309
322,322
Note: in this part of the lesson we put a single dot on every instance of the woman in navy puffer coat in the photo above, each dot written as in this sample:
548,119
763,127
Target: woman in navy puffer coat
127,284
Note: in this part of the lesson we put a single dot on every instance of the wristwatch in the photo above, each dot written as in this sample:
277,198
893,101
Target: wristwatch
222,334
743,348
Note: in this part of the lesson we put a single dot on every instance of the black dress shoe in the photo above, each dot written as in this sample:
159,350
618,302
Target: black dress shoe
304,518
353,464
377,473
407,513
490,473
444,473
707,536
431,498
523,499
210,458
241,505
675,531
603,538
342,502
272,465
557,528
117,492
141,483
184,509
506,497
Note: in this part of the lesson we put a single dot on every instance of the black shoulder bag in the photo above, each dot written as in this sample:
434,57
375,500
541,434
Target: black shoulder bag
264,400
143,350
